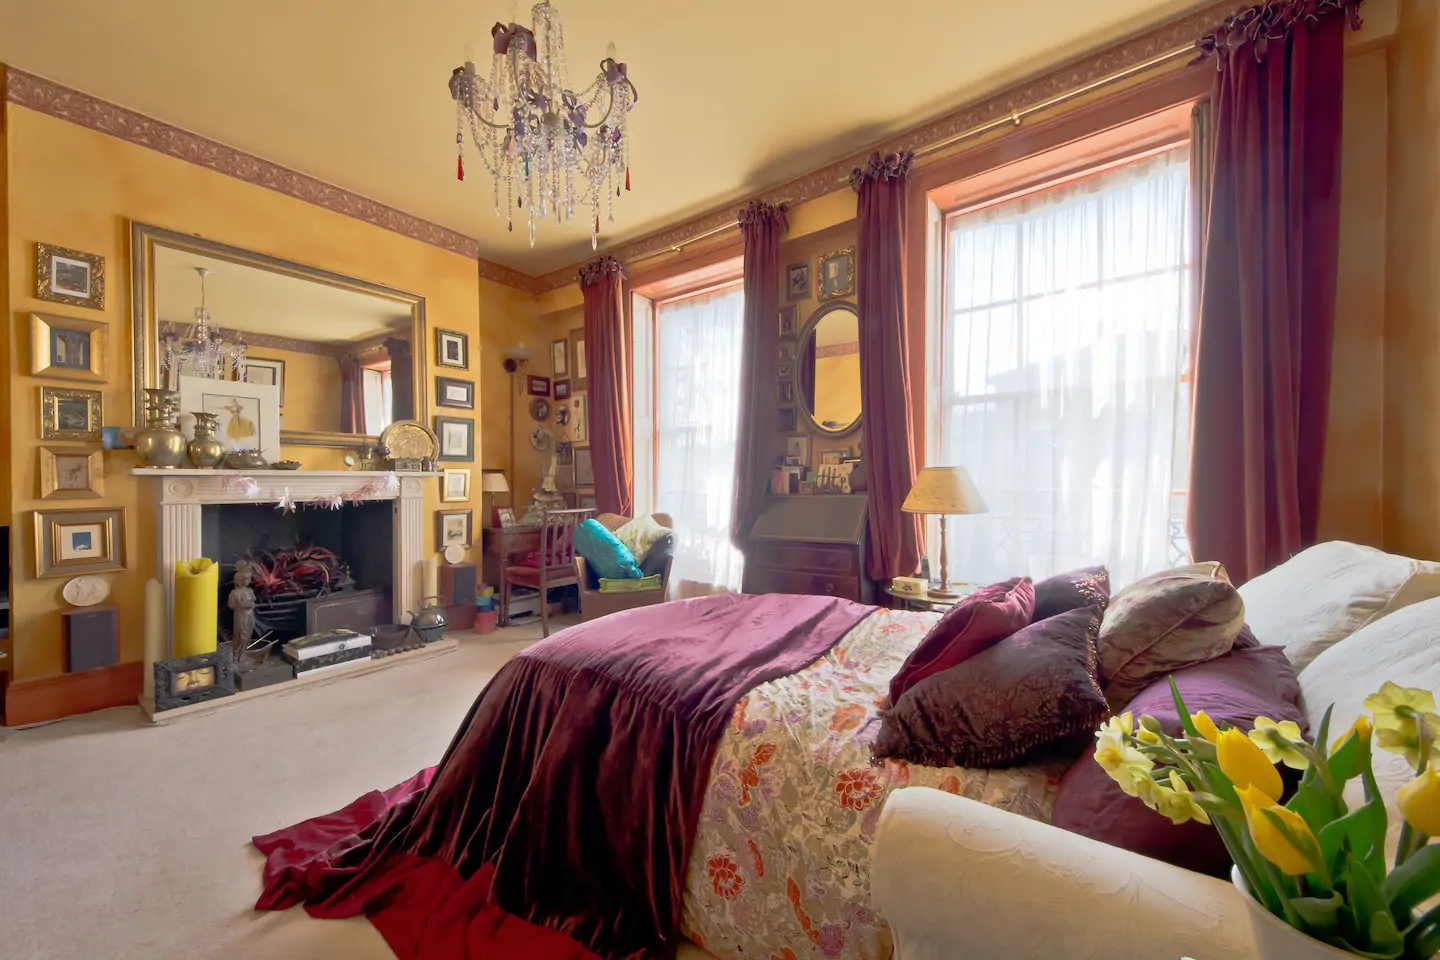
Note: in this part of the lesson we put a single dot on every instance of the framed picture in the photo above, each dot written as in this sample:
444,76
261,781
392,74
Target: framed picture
835,457
797,281
247,415
269,372
578,366
787,352
187,680
562,389
584,468
67,414
537,386
788,328
786,392
835,274
579,419
785,419
807,487
784,371
68,542
69,276
564,453
453,526
457,438
587,501
504,517
454,485
69,473
454,392
452,349
799,448
68,348
560,357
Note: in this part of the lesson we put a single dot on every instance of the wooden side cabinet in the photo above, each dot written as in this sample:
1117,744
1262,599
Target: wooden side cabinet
810,545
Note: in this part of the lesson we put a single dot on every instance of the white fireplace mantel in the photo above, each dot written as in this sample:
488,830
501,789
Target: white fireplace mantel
179,496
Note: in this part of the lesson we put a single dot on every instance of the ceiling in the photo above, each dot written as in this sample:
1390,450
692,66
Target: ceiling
735,96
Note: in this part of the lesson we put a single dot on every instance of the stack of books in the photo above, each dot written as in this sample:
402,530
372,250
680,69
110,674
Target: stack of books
320,651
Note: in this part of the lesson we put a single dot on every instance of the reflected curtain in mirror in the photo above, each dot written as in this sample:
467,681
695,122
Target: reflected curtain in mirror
352,398
402,379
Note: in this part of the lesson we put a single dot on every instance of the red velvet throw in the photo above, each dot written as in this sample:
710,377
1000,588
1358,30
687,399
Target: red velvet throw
1267,302
561,818
608,340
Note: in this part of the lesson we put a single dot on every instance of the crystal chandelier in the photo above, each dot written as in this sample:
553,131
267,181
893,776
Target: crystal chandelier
552,148
202,352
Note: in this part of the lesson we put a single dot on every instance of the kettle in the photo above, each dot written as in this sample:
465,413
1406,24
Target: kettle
430,621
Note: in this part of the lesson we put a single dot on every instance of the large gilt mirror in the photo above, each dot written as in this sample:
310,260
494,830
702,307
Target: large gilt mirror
347,355
828,369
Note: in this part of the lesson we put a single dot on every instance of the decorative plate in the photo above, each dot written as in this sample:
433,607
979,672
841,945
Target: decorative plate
454,553
85,591
540,409
540,438
408,439
562,415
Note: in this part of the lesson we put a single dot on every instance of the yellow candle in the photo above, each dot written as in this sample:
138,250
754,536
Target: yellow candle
430,580
197,606
154,634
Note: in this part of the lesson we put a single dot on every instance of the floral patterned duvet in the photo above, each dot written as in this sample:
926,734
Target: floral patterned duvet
781,864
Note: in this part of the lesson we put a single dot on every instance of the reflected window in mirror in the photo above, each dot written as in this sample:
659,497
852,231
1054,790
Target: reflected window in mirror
828,369
379,396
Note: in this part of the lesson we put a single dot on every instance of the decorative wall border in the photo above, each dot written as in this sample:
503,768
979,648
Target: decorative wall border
56,100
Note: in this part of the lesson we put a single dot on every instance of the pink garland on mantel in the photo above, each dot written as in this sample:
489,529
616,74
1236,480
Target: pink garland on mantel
285,501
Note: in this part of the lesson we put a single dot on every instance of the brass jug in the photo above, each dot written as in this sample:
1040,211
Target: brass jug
205,451
160,443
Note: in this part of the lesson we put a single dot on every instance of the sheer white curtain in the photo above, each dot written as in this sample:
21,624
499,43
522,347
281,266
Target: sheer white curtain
697,408
1063,391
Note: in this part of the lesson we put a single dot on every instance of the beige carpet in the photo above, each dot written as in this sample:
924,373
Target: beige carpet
120,839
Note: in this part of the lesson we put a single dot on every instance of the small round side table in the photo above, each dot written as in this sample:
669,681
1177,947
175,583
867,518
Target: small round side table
928,603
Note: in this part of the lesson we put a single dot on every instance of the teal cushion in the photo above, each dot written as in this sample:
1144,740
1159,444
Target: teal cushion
609,557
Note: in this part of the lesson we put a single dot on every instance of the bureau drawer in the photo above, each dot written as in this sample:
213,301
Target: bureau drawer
766,580
822,559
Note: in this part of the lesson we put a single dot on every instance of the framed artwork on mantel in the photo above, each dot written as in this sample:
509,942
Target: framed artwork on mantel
247,415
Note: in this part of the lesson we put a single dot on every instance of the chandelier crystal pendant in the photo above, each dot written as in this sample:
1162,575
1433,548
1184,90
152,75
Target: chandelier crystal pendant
202,351
552,148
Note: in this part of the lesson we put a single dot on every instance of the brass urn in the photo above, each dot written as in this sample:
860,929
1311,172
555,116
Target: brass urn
160,443
205,451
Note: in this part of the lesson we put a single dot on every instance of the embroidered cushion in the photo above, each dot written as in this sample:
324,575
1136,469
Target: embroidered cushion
658,555
1066,591
986,617
1028,691
1166,622
609,557
640,535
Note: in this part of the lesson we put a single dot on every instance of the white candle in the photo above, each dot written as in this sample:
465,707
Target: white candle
430,580
154,635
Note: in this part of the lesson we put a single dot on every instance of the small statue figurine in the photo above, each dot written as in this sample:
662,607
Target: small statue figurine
242,604
547,495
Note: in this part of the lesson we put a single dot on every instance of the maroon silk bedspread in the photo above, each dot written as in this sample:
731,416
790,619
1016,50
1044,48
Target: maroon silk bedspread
568,800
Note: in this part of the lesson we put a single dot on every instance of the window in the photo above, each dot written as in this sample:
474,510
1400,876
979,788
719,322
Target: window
1064,351
696,410
378,396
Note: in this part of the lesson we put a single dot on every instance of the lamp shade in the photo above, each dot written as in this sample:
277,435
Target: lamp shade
943,490
493,482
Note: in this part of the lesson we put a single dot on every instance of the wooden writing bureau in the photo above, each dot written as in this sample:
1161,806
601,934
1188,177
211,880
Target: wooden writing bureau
810,544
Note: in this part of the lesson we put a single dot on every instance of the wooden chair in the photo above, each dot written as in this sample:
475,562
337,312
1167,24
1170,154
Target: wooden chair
556,566
593,603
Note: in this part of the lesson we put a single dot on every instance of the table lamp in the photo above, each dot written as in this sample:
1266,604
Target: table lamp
943,491
493,481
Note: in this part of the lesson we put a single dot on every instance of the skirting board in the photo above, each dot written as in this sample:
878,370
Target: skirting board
341,672
52,698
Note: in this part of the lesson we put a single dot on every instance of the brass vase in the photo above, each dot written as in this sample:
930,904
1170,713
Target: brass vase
160,443
205,451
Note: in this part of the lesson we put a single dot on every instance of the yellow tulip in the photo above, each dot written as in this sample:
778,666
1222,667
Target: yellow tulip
1246,765
1419,802
1292,857
1395,704
1277,741
1362,727
1206,726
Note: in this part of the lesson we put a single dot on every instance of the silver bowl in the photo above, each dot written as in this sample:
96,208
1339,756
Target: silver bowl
286,465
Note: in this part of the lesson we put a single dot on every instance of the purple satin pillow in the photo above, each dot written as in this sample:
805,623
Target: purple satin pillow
1066,591
981,620
1233,689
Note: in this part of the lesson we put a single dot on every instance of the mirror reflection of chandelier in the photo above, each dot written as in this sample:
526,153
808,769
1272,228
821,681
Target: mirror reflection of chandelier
551,147
202,351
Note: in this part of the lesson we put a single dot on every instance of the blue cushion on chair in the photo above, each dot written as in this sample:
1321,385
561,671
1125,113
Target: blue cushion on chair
601,550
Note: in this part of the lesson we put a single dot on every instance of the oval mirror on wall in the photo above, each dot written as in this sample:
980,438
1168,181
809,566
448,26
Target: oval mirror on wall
828,369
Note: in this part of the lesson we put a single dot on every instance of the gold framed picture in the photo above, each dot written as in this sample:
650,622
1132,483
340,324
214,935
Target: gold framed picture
68,542
69,276
452,349
67,348
67,414
452,526
70,473
454,486
835,274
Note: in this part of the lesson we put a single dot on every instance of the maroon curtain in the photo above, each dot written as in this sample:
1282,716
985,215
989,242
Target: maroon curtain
1267,300
763,224
352,395
402,379
608,370
885,363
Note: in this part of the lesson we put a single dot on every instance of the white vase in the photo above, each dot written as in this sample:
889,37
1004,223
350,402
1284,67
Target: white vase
1277,940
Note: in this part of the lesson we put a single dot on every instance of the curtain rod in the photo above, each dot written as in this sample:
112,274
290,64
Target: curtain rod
1013,118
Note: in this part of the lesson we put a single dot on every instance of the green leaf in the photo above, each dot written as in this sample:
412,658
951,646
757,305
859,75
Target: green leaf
1357,832
1347,762
1321,914
1367,901
1186,723
1413,882
1385,940
1322,739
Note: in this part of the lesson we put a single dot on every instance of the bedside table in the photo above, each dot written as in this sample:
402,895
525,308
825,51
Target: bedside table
926,603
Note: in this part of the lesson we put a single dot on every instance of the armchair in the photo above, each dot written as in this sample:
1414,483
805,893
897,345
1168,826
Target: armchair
593,603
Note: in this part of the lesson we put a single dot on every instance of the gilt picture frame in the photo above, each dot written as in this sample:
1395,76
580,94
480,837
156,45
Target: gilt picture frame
835,275
71,473
68,348
72,277
579,368
70,414
83,540
452,349
797,281
560,357
455,485
247,414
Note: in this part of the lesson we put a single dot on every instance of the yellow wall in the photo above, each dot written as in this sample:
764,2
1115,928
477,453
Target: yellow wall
837,389
312,389
78,188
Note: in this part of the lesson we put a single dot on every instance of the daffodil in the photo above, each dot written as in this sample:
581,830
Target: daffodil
1245,764
1296,852
1393,705
1146,735
1206,726
1277,741
1419,802
1123,725
1126,765
1406,741
1362,727
1178,803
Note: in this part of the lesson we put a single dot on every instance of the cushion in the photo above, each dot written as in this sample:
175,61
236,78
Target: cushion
560,553
1322,595
630,586
1026,692
658,555
987,616
1066,591
1400,647
1166,622
640,534
610,558
1232,689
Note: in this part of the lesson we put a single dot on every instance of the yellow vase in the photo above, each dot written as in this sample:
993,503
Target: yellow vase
197,607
